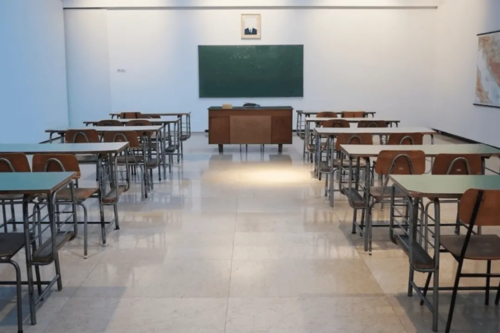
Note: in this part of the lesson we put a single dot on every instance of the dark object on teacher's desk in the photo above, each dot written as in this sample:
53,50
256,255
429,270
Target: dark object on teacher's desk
251,105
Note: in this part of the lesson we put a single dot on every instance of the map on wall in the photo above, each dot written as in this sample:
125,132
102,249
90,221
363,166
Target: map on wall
488,70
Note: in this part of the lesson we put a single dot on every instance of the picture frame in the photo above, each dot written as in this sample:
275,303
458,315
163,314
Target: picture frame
251,26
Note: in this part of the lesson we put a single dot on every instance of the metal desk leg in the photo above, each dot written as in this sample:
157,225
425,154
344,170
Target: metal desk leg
306,141
413,238
317,148
435,287
29,266
164,149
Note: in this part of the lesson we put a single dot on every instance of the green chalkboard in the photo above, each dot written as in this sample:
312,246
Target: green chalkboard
251,71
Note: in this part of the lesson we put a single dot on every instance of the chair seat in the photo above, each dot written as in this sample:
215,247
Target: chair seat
481,247
81,194
86,158
345,162
379,192
152,162
11,243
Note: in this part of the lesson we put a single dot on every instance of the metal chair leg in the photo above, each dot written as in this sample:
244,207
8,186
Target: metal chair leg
58,271
85,230
354,217
488,272
497,299
13,216
426,287
454,295
19,297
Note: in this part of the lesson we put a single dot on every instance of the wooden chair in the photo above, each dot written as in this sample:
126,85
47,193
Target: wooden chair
389,162
457,164
477,208
81,136
452,164
338,162
405,139
353,114
372,123
15,162
336,123
12,242
68,162
329,143
129,115
326,114
134,157
109,122
152,143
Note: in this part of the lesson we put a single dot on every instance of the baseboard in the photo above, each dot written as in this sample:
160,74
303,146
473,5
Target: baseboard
458,137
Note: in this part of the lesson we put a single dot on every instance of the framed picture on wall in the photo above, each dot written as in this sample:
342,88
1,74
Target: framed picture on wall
250,26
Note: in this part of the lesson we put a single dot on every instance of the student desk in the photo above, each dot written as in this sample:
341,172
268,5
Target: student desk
109,188
433,187
172,132
29,184
333,132
308,122
301,114
138,129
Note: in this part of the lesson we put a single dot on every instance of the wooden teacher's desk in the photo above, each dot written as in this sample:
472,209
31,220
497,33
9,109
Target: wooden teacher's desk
250,125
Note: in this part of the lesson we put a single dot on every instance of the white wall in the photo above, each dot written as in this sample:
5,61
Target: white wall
458,22
374,59
87,61
32,69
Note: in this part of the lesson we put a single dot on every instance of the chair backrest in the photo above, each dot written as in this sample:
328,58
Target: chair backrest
81,136
336,123
110,122
14,162
125,136
457,164
56,163
405,139
129,115
326,114
353,139
393,162
372,123
353,114
485,202
138,122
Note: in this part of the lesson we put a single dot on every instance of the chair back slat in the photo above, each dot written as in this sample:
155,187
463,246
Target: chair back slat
353,139
406,139
457,164
400,162
488,211
372,123
81,136
125,136
56,163
336,123
130,115
110,122
353,114
326,114
14,162
138,122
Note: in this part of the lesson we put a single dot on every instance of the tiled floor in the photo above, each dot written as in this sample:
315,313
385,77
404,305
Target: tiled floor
240,242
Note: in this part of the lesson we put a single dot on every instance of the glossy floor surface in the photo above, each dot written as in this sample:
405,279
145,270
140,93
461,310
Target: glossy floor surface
240,242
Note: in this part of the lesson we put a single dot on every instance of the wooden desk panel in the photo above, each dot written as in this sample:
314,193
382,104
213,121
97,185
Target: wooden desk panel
262,125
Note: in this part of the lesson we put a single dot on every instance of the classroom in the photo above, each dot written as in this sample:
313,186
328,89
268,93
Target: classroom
249,166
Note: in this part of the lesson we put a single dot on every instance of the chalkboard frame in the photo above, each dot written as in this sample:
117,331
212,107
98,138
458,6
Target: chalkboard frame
275,79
